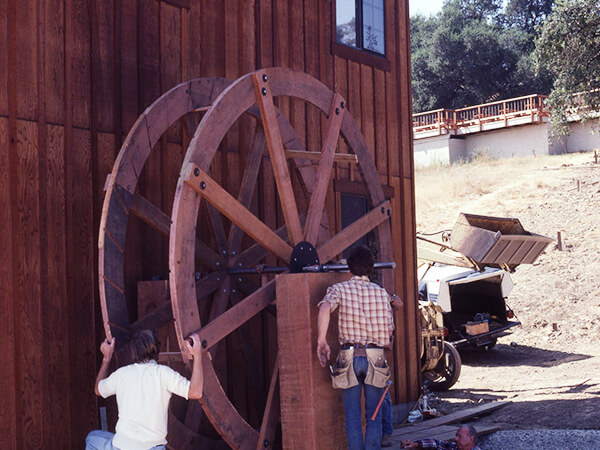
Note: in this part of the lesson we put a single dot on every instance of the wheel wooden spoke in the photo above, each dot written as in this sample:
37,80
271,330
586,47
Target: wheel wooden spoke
317,200
248,184
253,254
219,305
220,300
209,284
271,415
354,232
237,315
278,159
153,216
216,222
158,317
236,212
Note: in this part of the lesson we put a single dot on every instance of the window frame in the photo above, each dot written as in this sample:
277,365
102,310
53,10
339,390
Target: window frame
362,55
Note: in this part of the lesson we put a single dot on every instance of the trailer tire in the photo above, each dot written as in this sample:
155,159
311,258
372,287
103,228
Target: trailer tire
445,374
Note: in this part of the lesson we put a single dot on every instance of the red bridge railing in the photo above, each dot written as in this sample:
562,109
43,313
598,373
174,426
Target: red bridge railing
444,120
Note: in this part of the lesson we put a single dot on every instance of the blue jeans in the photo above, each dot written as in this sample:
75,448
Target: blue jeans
352,410
386,414
102,440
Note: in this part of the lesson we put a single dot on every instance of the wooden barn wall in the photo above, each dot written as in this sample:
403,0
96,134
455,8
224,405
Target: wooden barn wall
76,76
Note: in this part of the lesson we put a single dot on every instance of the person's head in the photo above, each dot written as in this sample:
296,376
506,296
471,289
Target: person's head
465,437
360,260
144,346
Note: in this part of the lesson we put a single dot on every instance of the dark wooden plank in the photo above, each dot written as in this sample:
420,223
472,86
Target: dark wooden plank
103,68
353,232
9,411
229,206
380,124
27,278
170,70
264,33
247,39
213,28
128,74
367,109
25,67
10,139
354,83
280,168
403,85
81,313
57,398
340,85
400,360
409,286
42,230
54,61
4,50
78,64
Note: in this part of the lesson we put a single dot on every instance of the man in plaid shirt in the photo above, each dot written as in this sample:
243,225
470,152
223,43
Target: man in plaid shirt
464,440
365,326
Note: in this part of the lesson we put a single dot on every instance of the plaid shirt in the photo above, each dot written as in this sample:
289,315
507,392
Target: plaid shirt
365,315
440,445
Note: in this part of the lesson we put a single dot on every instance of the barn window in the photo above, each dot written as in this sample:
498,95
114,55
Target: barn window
361,24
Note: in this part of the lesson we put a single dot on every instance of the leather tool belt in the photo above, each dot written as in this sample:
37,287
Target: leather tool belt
378,372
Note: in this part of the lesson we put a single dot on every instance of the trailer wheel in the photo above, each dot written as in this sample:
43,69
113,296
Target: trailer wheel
445,374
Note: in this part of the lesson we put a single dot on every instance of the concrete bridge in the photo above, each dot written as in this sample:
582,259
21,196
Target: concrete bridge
504,129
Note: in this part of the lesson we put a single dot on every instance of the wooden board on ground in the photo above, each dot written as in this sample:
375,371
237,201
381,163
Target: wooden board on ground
442,433
455,417
440,428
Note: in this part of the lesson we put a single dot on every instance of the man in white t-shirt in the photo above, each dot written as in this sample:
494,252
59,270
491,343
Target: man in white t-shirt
143,391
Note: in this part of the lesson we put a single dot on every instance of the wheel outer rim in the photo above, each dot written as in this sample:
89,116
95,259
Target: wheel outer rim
136,148
227,108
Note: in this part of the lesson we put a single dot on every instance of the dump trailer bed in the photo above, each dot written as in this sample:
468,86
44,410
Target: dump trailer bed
496,241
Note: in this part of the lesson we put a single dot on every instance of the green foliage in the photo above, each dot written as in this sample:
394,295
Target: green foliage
568,47
474,52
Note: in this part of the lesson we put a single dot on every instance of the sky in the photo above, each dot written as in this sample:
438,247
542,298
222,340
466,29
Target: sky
424,7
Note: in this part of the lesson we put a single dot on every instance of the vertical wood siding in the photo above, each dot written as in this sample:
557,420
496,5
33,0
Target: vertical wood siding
77,76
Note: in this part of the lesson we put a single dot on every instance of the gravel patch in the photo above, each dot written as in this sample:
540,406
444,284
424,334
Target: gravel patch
541,439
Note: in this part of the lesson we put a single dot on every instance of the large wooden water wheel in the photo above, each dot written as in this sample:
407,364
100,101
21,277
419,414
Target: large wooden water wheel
220,301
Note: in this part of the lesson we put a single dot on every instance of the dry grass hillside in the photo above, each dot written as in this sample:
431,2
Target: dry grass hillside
551,370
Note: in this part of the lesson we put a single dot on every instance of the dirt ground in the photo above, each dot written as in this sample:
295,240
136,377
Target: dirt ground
549,368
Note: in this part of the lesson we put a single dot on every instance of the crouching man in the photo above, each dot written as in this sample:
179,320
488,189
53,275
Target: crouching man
365,325
143,391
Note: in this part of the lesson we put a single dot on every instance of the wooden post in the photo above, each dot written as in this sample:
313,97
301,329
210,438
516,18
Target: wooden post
578,185
312,415
559,243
